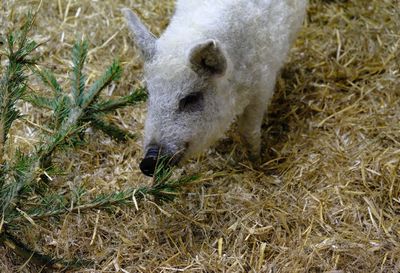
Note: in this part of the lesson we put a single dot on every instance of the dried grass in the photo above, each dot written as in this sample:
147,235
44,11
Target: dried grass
327,198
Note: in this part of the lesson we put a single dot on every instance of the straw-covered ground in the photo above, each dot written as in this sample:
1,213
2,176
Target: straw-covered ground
327,197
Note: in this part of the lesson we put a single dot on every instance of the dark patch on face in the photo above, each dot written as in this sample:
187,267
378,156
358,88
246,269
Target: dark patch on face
194,102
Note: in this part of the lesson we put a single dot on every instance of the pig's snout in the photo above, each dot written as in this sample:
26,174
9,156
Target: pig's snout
157,155
149,162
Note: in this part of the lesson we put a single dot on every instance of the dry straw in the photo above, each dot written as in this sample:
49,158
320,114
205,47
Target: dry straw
326,199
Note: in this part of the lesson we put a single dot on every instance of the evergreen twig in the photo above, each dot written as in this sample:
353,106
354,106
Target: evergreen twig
72,113
85,107
13,82
79,54
137,96
165,190
110,129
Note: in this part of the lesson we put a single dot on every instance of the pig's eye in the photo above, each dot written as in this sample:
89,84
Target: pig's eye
192,102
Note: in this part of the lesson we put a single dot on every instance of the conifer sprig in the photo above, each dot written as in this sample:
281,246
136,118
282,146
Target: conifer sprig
72,111
79,54
13,83
86,106
139,95
13,80
165,189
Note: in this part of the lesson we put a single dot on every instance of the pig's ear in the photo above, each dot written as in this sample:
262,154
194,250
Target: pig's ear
208,59
144,39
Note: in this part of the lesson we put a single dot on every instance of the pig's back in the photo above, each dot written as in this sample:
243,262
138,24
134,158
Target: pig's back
257,34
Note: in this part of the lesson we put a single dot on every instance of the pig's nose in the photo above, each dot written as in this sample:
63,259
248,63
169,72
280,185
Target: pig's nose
149,162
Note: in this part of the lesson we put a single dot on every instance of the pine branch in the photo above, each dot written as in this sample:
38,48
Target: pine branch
61,110
113,73
85,109
110,129
79,54
164,189
27,168
40,101
50,80
59,103
19,177
69,121
19,174
98,109
13,83
135,97
68,131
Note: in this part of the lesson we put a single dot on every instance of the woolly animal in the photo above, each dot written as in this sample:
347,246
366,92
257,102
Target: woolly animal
216,62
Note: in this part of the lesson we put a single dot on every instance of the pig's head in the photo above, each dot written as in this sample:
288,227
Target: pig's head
187,109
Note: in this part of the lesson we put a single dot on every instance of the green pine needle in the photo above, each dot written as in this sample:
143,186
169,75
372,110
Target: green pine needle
13,79
61,110
135,97
79,54
113,73
165,191
110,129
23,176
40,101
20,175
85,109
50,80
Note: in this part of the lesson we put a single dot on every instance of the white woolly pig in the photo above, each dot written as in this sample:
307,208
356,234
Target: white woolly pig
217,60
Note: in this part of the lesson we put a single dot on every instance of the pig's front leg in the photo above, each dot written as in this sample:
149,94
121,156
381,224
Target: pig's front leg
250,128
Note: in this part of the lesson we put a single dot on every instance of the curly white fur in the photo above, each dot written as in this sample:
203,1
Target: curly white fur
253,35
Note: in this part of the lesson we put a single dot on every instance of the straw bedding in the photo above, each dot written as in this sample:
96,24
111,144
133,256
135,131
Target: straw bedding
327,197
